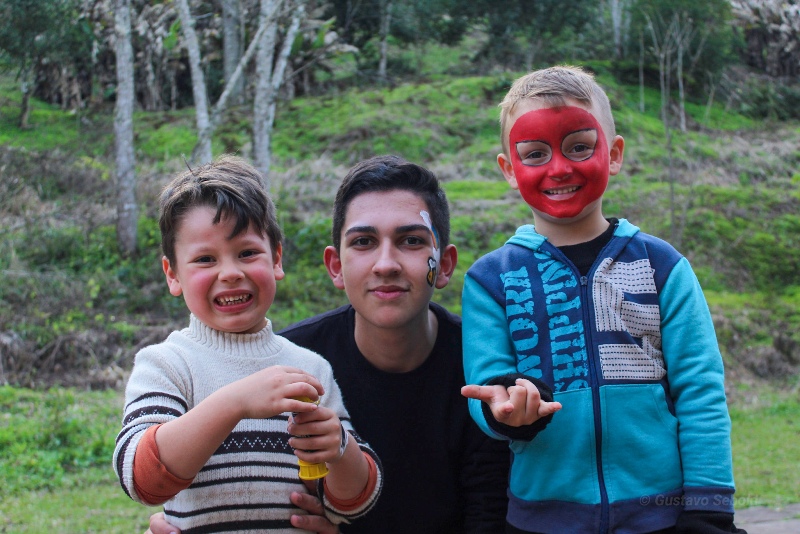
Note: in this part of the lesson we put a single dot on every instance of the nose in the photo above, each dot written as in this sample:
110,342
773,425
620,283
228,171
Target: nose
386,263
560,167
230,272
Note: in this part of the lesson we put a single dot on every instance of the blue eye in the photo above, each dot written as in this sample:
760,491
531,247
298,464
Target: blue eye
580,145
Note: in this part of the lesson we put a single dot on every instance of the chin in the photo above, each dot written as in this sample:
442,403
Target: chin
570,218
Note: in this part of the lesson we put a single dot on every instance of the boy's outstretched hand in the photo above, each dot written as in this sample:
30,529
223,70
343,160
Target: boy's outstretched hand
517,405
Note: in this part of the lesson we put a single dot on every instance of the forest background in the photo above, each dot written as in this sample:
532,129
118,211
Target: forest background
101,101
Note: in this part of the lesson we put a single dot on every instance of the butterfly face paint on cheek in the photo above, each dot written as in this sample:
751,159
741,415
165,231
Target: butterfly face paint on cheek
560,159
436,255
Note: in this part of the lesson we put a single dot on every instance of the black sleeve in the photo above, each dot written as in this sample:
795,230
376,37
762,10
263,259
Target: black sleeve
522,433
484,479
702,522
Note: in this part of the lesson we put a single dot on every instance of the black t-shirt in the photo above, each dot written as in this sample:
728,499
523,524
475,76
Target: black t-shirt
442,474
584,254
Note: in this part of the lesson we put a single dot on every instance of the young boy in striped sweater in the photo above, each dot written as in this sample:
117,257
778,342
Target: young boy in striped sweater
207,426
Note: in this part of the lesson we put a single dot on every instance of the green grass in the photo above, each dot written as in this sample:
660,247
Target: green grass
50,127
45,436
766,452
89,501
469,190
55,463
77,491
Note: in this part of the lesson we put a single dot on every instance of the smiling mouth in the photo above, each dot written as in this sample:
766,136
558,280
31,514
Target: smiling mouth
561,190
233,301
383,291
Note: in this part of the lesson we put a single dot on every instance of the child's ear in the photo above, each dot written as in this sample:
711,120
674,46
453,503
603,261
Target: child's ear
334,265
447,265
172,278
277,266
507,169
615,155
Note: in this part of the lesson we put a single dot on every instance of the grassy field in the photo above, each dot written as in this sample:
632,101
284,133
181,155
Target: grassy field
766,452
65,484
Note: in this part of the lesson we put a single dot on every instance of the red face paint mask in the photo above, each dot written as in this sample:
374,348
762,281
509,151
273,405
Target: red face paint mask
560,159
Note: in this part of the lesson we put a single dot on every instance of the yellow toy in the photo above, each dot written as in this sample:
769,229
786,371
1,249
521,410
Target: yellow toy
309,471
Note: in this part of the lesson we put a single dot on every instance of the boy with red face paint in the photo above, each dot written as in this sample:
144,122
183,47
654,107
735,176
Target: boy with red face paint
588,344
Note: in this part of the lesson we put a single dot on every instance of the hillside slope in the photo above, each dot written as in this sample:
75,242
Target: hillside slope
74,311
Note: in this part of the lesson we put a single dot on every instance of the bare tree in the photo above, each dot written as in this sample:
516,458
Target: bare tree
684,36
232,45
270,71
127,210
267,30
202,151
664,46
672,43
619,24
641,72
386,19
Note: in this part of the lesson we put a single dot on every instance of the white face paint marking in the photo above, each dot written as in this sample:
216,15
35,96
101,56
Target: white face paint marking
436,253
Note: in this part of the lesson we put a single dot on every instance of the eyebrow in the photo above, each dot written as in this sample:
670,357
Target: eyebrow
406,228
361,230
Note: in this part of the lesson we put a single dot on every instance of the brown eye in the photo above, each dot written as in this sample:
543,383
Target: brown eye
415,241
360,242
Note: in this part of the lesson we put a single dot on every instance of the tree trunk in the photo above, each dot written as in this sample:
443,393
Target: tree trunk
616,26
663,49
263,95
202,151
681,90
641,72
386,19
211,120
233,46
127,211
269,77
25,112
237,75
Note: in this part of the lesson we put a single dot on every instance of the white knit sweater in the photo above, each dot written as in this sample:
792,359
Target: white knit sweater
246,483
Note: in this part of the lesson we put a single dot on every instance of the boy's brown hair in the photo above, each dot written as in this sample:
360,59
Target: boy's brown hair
553,86
228,184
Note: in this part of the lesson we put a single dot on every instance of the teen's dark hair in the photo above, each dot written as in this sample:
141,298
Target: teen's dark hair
228,184
391,173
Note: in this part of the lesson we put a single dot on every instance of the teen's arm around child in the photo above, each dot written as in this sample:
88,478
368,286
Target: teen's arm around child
607,325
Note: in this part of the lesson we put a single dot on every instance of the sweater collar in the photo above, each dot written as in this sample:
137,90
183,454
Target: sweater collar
260,344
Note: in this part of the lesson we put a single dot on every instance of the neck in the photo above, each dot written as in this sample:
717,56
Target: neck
580,230
397,350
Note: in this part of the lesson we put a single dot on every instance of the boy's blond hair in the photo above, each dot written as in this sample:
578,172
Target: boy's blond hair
553,86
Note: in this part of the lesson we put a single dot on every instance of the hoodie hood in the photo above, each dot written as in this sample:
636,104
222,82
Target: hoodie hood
526,235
